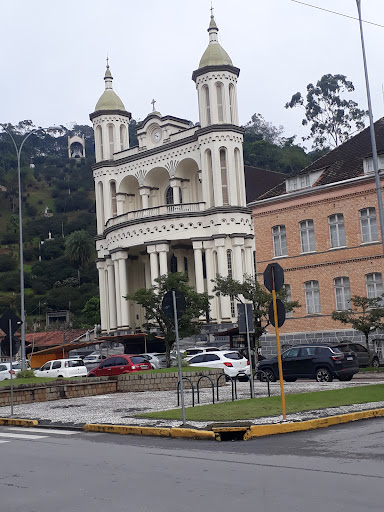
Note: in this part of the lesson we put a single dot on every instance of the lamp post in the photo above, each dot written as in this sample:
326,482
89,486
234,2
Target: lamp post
22,309
372,130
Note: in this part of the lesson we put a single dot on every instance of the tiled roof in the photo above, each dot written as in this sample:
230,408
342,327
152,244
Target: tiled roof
258,181
53,338
342,163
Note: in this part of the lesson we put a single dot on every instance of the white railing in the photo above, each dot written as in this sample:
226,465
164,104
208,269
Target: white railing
169,209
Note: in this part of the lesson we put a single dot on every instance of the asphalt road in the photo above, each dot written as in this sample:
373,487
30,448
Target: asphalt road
339,469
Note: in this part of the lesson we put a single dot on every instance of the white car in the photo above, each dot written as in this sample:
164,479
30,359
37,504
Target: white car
94,359
158,360
5,370
63,368
232,362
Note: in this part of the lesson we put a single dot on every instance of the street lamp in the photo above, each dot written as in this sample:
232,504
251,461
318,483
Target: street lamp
372,130
22,309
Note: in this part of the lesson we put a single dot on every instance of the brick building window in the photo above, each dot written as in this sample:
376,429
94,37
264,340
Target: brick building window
307,236
342,293
288,297
312,297
374,284
368,224
337,230
279,241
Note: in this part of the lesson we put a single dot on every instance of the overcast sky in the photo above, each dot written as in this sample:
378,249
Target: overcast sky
53,59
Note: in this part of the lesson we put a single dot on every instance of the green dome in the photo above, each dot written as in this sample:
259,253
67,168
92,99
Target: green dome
215,55
109,100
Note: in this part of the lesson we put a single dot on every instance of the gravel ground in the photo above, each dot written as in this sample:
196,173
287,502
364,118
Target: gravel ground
120,408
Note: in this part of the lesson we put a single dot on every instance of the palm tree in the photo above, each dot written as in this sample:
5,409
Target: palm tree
79,248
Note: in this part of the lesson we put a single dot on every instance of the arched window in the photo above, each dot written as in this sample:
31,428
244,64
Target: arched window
368,224
307,236
312,297
169,196
208,155
123,137
374,283
113,199
232,103
279,237
173,264
110,138
207,104
100,206
229,263
224,176
99,133
238,180
219,96
342,293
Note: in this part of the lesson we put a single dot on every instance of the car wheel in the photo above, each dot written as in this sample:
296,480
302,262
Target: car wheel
60,376
323,375
375,362
290,379
346,378
267,373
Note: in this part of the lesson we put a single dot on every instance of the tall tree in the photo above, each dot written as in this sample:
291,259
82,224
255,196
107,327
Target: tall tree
197,305
366,316
79,248
260,129
252,291
331,118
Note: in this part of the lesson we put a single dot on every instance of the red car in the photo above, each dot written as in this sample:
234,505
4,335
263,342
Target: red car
120,364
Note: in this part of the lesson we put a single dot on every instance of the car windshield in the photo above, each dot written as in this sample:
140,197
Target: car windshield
233,355
138,359
341,348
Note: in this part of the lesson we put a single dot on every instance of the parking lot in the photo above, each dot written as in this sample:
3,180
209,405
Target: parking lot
121,408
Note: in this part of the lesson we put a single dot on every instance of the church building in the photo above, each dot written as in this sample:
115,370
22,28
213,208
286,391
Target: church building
177,201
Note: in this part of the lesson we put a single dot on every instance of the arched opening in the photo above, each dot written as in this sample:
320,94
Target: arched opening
207,103
232,103
113,199
123,137
169,196
224,176
220,106
239,182
99,139
100,207
111,140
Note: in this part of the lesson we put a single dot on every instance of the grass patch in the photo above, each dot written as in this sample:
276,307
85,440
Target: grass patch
31,380
372,369
271,406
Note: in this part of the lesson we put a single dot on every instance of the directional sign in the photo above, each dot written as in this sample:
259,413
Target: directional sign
167,305
9,315
273,277
5,348
280,313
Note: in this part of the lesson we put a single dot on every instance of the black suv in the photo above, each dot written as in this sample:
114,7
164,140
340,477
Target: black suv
364,358
320,362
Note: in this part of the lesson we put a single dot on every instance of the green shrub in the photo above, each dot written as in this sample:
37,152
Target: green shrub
25,374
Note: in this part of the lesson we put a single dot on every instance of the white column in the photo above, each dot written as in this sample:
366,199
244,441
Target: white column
111,295
144,192
117,290
225,301
122,262
154,263
198,256
237,260
120,201
163,250
175,184
208,246
249,249
103,295
147,272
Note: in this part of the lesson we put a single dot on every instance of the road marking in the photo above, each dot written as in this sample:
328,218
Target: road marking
21,436
4,441
44,430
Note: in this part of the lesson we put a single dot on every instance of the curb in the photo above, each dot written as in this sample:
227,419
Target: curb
18,422
283,428
175,432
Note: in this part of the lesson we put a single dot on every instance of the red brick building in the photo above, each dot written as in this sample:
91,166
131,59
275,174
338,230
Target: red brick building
322,226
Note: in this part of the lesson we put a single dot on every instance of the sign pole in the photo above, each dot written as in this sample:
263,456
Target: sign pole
278,346
178,354
249,351
10,361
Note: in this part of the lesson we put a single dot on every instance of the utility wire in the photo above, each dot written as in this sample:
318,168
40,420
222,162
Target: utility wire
338,13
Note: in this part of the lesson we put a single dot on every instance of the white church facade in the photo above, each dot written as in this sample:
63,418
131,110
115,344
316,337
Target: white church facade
175,202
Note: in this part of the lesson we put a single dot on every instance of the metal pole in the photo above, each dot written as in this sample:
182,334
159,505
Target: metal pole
10,361
178,355
372,130
249,351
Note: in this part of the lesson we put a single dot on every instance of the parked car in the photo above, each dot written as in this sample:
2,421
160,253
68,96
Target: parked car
119,364
193,351
158,360
93,359
364,358
320,362
5,370
63,368
232,362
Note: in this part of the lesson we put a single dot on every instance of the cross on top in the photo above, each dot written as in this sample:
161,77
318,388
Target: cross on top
153,105
107,61
211,10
